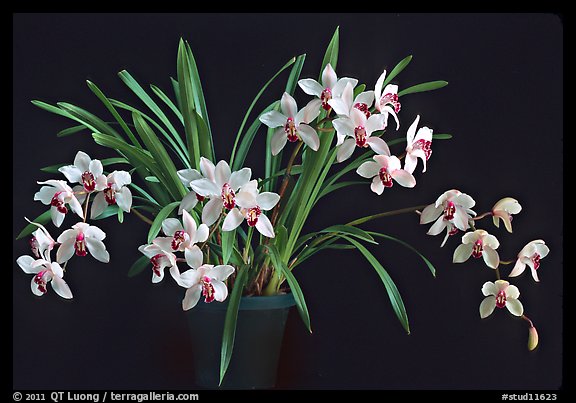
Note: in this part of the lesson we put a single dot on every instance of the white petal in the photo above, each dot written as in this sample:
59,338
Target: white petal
72,173
430,213
124,199
240,178
191,297
311,87
273,119
489,288
344,126
222,173
220,272
35,289
375,122
188,202
201,234
471,237
358,118
411,133
515,307
278,141
246,199
188,175
542,249
220,290
207,168
171,225
189,224
191,277
368,169
61,288
487,306
464,200
76,207
462,253
438,226
461,219
82,161
309,136
404,178
535,275
339,87
95,167
518,269
346,150
378,89
309,112
377,186
491,241
264,226
366,97
339,106
378,145
205,187
512,292
288,105
122,178
233,219
329,77
267,200
193,257
94,232
98,205
65,250
491,257
97,249
45,194
25,263
68,234
212,210
410,163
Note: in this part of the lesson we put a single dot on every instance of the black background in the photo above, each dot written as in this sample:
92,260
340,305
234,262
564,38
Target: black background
504,106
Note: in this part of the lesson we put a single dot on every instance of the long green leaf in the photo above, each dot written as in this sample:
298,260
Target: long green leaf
396,70
391,289
91,121
167,101
71,130
331,55
230,320
429,86
109,211
329,189
228,238
51,108
162,215
30,228
138,266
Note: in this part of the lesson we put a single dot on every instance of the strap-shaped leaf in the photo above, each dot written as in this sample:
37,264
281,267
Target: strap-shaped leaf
30,228
331,55
138,266
429,86
157,223
71,130
167,101
228,238
396,70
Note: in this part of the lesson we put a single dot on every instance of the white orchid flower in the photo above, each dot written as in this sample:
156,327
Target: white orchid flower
41,242
192,198
220,185
292,124
206,280
45,272
452,211
382,170
418,146
530,255
115,192
251,204
386,97
160,254
478,244
185,237
80,240
330,88
86,171
360,129
343,106
500,294
503,209
57,195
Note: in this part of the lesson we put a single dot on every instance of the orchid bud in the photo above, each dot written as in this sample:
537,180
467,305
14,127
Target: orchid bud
532,338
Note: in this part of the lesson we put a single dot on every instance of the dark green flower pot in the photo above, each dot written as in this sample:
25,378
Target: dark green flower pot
259,333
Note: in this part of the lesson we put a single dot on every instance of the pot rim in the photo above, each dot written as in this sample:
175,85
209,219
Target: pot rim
254,303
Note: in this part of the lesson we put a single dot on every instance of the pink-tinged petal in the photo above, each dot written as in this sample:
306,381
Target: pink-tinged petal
512,292
378,145
72,173
378,89
45,194
377,186
212,211
61,288
535,275
222,173
157,278
390,89
267,200
189,224
220,290
491,257
25,263
233,219
220,273
462,253
97,249
205,187
264,226
338,89
201,234
82,161
95,232
491,241
98,205
76,207
278,141
288,106
448,195
170,226
424,133
489,288
387,110
487,306
57,217
34,288
518,269
344,126
515,307
96,168
358,118
65,250
461,219
374,122
273,119
57,270
345,150
188,175
410,163
411,133
502,285
208,169
124,199
191,297
240,178
193,257
393,163
329,77
430,213
339,106
309,136
311,87
366,97
309,112
438,226
368,169
404,178
246,199
188,202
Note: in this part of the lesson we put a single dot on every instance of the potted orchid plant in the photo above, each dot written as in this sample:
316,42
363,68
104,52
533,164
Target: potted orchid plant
228,237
